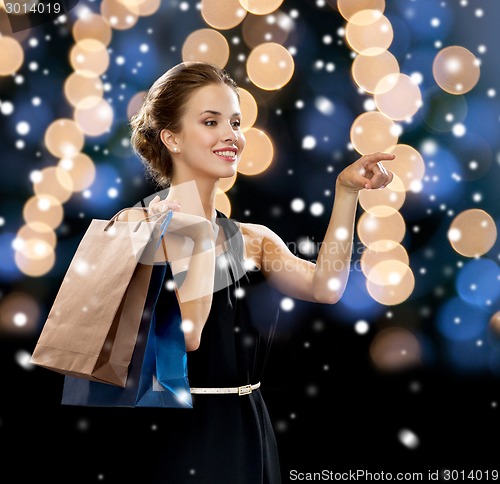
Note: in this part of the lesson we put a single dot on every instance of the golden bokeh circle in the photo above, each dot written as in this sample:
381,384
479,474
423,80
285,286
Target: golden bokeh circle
89,57
142,8
54,181
14,305
95,120
368,70
225,184
397,96
258,153
270,66
373,131
408,165
261,7
222,14
92,26
400,282
64,138
83,91
347,8
206,45
119,16
135,103
35,267
81,169
258,29
371,228
12,57
472,232
45,209
369,32
394,349
222,202
456,69
38,231
371,257
383,202
249,109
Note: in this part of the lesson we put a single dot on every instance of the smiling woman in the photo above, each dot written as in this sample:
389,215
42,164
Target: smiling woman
226,276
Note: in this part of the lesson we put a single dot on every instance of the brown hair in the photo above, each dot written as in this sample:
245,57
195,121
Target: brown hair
163,108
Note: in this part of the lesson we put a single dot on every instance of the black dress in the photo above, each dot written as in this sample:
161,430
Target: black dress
226,439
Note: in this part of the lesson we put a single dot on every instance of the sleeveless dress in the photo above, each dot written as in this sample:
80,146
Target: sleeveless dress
225,439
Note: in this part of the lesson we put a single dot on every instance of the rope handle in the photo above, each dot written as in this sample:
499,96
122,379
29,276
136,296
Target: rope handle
147,218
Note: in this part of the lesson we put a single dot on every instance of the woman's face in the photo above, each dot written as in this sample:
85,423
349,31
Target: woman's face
210,141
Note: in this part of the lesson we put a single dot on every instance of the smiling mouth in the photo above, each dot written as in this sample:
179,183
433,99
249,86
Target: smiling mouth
226,154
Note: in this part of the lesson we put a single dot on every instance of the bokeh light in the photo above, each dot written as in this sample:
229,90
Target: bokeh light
373,131
95,120
270,66
89,57
222,202
395,349
82,91
472,232
92,26
222,14
12,56
456,69
64,138
369,32
372,228
347,8
19,314
258,153
390,282
368,70
408,166
384,202
249,109
118,15
206,45
397,96
258,29
45,209
55,182
260,7
81,169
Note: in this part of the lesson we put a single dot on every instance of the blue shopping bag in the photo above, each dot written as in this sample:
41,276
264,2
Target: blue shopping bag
158,370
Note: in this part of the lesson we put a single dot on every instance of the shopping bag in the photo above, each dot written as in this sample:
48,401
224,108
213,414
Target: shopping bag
91,329
158,374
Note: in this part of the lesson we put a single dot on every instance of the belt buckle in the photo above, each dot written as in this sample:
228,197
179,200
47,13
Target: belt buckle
244,390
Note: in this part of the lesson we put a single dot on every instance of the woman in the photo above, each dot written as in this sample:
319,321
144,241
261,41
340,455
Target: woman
188,135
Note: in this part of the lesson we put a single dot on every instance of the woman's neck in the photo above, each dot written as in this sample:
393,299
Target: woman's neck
195,197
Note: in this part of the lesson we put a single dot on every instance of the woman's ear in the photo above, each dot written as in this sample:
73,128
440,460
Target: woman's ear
169,140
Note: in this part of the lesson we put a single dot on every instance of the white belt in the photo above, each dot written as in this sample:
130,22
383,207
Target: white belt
244,390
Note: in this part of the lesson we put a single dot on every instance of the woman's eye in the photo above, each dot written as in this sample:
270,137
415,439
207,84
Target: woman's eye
236,124
210,123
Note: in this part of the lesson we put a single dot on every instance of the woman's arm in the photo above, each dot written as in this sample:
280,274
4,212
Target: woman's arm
325,280
189,247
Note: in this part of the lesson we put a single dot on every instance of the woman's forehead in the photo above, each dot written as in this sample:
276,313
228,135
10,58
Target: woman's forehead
215,97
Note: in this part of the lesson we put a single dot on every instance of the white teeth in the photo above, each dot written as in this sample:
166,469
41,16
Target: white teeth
229,154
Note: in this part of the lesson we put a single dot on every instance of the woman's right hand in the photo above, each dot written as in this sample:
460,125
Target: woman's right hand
182,224
156,205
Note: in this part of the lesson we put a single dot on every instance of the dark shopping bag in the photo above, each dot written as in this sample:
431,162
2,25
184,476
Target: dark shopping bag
158,370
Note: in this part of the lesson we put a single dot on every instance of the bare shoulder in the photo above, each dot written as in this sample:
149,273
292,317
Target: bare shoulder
257,231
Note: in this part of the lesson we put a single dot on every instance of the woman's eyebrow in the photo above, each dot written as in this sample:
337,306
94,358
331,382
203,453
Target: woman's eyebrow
216,113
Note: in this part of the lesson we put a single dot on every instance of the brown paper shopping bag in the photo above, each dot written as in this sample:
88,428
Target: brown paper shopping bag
92,327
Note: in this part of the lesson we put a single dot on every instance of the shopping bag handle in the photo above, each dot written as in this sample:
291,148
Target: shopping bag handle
147,218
